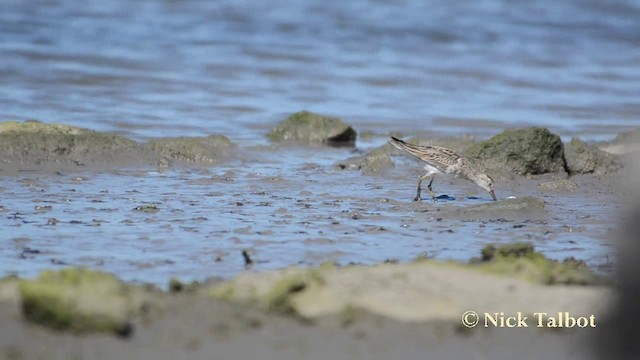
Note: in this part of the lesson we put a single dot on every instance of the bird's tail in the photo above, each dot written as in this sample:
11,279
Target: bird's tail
418,151
397,143
414,150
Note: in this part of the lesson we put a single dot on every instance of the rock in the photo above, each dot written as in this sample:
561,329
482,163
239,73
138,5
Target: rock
558,186
80,301
528,151
32,142
370,163
308,127
583,158
210,149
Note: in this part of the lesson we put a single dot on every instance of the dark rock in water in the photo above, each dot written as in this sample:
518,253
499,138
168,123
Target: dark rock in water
370,163
528,151
210,149
583,158
32,142
308,127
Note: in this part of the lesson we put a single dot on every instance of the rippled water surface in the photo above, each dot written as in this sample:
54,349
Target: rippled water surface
149,68
168,68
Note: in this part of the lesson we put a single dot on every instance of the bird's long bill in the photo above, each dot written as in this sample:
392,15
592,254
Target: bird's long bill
493,195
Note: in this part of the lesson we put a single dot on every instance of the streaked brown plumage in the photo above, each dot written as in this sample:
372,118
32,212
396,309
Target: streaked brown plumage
442,160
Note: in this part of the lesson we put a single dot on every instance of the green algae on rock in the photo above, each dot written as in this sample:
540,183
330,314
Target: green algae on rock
528,151
210,149
277,295
583,158
33,142
177,286
521,260
308,127
81,301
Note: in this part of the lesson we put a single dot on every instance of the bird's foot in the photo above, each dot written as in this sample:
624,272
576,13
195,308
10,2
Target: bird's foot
417,198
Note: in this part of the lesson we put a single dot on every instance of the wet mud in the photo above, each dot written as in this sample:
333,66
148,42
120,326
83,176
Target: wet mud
203,210
282,205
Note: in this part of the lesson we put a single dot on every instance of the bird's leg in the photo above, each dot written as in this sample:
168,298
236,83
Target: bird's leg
418,198
433,195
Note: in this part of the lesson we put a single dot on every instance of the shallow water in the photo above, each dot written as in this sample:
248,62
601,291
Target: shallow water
151,68
290,212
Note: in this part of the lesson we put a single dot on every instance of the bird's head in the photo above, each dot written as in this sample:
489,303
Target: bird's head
486,183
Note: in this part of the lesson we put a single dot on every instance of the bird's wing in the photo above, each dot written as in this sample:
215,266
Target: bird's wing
435,155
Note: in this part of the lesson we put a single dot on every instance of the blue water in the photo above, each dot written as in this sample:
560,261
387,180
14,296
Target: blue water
157,68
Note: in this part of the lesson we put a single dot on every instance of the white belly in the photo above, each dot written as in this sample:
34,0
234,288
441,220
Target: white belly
431,170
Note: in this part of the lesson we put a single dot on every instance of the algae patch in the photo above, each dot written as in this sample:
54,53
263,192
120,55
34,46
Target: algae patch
279,294
521,260
81,301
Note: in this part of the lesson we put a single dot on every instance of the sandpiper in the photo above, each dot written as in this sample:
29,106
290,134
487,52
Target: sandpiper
443,160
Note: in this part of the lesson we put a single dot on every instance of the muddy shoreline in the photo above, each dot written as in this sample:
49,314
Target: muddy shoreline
188,208
356,312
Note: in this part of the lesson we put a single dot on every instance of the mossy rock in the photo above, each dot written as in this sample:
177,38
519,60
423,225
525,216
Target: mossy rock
210,149
583,158
521,259
80,301
528,151
32,142
308,127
